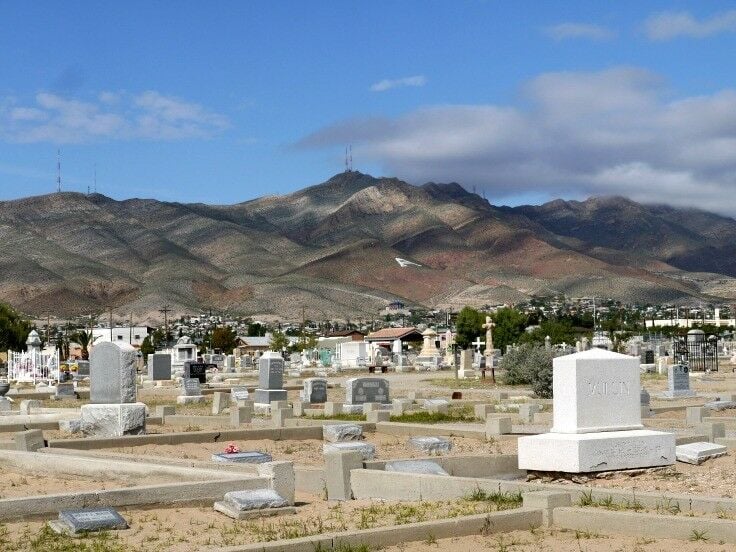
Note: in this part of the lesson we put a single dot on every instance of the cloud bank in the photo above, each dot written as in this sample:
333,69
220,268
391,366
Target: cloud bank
565,31
669,25
388,84
149,115
572,135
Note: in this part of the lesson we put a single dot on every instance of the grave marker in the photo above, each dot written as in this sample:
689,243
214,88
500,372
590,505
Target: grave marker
315,390
91,519
366,390
196,370
678,378
270,378
159,366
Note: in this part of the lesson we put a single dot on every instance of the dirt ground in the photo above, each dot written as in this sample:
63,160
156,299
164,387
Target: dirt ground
18,484
551,540
308,452
193,529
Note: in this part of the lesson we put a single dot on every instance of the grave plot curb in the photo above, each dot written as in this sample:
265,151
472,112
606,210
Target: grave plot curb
596,520
496,522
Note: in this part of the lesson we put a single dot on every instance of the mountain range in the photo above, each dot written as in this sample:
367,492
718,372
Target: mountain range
329,250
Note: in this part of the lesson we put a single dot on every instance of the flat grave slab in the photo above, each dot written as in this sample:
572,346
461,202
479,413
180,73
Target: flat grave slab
415,466
367,450
335,433
89,519
248,457
432,445
697,453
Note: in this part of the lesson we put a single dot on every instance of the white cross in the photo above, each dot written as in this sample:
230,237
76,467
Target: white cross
478,343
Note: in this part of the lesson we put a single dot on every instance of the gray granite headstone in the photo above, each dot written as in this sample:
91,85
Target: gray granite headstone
83,368
270,378
190,387
65,391
256,499
112,373
315,390
92,519
366,390
271,372
678,377
159,366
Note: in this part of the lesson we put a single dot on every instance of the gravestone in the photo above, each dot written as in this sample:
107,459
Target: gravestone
113,410
89,519
191,392
697,453
112,373
366,390
191,387
315,390
367,450
196,370
415,466
159,366
65,391
648,357
596,419
270,379
83,368
431,445
247,457
239,393
678,378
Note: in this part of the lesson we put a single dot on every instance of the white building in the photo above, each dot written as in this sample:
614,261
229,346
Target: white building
123,334
692,322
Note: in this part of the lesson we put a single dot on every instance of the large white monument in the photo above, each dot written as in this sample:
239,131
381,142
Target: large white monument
596,420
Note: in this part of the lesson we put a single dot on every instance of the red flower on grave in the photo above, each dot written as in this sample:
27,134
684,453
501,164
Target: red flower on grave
231,448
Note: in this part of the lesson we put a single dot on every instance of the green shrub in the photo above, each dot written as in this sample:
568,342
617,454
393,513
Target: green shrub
529,365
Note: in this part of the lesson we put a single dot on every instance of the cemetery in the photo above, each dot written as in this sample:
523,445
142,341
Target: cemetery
284,455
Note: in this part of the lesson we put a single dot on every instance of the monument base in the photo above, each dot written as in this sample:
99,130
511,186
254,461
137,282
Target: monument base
595,452
677,394
113,420
265,396
467,374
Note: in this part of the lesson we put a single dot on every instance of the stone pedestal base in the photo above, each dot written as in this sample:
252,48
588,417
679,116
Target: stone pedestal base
113,420
677,394
265,396
467,374
594,452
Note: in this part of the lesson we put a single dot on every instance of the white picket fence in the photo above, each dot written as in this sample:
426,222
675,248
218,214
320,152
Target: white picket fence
33,366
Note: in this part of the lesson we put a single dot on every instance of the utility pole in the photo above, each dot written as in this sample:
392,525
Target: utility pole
165,311
110,308
130,329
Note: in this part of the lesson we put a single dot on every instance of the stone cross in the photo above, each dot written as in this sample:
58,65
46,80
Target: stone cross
488,327
477,343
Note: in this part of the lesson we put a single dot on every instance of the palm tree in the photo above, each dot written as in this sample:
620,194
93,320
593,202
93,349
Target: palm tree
85,339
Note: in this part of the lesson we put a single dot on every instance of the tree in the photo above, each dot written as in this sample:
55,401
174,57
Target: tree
279,341
225,339
559,331
14,329
85,339
147,347
256,329
510,326
469,326
529,364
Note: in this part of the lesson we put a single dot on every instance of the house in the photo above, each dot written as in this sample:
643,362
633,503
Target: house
354,335
387,336
252,345
122,334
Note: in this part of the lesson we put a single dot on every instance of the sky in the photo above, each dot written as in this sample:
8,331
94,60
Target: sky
523,101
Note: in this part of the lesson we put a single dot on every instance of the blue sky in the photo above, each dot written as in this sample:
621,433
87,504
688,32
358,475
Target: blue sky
223,102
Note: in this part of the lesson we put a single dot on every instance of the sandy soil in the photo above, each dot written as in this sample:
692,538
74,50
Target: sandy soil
197,528
551,540
309,452
18,484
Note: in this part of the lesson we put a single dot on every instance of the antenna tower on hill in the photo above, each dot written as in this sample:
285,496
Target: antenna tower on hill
349,158
58,170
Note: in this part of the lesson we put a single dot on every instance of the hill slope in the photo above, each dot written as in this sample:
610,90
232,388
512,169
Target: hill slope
330,248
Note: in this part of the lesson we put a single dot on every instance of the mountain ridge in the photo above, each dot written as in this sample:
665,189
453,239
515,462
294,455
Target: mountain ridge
330,249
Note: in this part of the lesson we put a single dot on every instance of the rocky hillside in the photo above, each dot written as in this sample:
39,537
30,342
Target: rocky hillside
331,249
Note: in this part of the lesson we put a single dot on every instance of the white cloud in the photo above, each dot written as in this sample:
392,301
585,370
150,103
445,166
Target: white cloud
148,115
388,84
564,31
616,131
668,25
